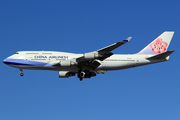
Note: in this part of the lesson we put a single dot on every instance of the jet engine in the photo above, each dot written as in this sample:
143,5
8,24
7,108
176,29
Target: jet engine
91,55
65,74
66,63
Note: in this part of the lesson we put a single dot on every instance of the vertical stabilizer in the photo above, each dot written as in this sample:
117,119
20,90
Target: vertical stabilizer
159,45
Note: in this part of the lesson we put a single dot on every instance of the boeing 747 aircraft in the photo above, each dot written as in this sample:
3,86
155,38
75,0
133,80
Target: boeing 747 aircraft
90,64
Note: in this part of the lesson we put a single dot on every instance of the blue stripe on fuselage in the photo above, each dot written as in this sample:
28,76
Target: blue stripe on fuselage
11,61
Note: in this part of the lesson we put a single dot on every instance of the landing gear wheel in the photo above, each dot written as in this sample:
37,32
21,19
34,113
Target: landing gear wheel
79,72
21,74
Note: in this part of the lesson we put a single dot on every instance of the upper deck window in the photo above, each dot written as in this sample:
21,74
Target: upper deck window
32,53
46,53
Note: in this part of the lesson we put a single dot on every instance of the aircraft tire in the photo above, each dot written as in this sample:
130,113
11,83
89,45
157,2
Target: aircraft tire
21,74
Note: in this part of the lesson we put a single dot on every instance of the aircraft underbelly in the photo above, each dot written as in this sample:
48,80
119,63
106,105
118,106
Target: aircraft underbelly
116,65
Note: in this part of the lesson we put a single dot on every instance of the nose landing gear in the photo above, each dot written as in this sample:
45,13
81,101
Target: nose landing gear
21,74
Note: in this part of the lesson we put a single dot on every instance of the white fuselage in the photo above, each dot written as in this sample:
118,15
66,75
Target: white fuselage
44,60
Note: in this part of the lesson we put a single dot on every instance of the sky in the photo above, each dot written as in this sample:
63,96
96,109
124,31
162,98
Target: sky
149,92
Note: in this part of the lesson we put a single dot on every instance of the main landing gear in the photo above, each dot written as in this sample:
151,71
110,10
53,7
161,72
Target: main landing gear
85,74
21,74
79,75
80,78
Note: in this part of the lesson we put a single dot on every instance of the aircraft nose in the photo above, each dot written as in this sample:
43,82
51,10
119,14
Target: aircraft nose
5,61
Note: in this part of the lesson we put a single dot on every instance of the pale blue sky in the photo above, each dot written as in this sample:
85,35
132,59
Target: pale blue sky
144,93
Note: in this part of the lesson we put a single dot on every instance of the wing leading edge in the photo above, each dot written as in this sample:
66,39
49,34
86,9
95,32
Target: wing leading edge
113,46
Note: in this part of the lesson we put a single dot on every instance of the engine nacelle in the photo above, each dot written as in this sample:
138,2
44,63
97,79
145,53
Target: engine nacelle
91,55
66,63
65,74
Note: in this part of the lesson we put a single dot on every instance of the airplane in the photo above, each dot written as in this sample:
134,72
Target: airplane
90,64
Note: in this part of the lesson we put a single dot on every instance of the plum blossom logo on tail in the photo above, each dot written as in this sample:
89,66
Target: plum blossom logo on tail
158,46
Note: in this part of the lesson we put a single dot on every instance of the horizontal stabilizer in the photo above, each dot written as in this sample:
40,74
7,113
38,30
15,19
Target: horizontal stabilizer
162,55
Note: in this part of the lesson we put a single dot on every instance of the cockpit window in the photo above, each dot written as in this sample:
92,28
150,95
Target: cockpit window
17,53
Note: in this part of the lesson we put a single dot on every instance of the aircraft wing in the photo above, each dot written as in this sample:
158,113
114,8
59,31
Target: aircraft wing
90,60
113,46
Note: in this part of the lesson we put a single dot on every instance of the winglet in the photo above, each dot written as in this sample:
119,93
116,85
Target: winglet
127,39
